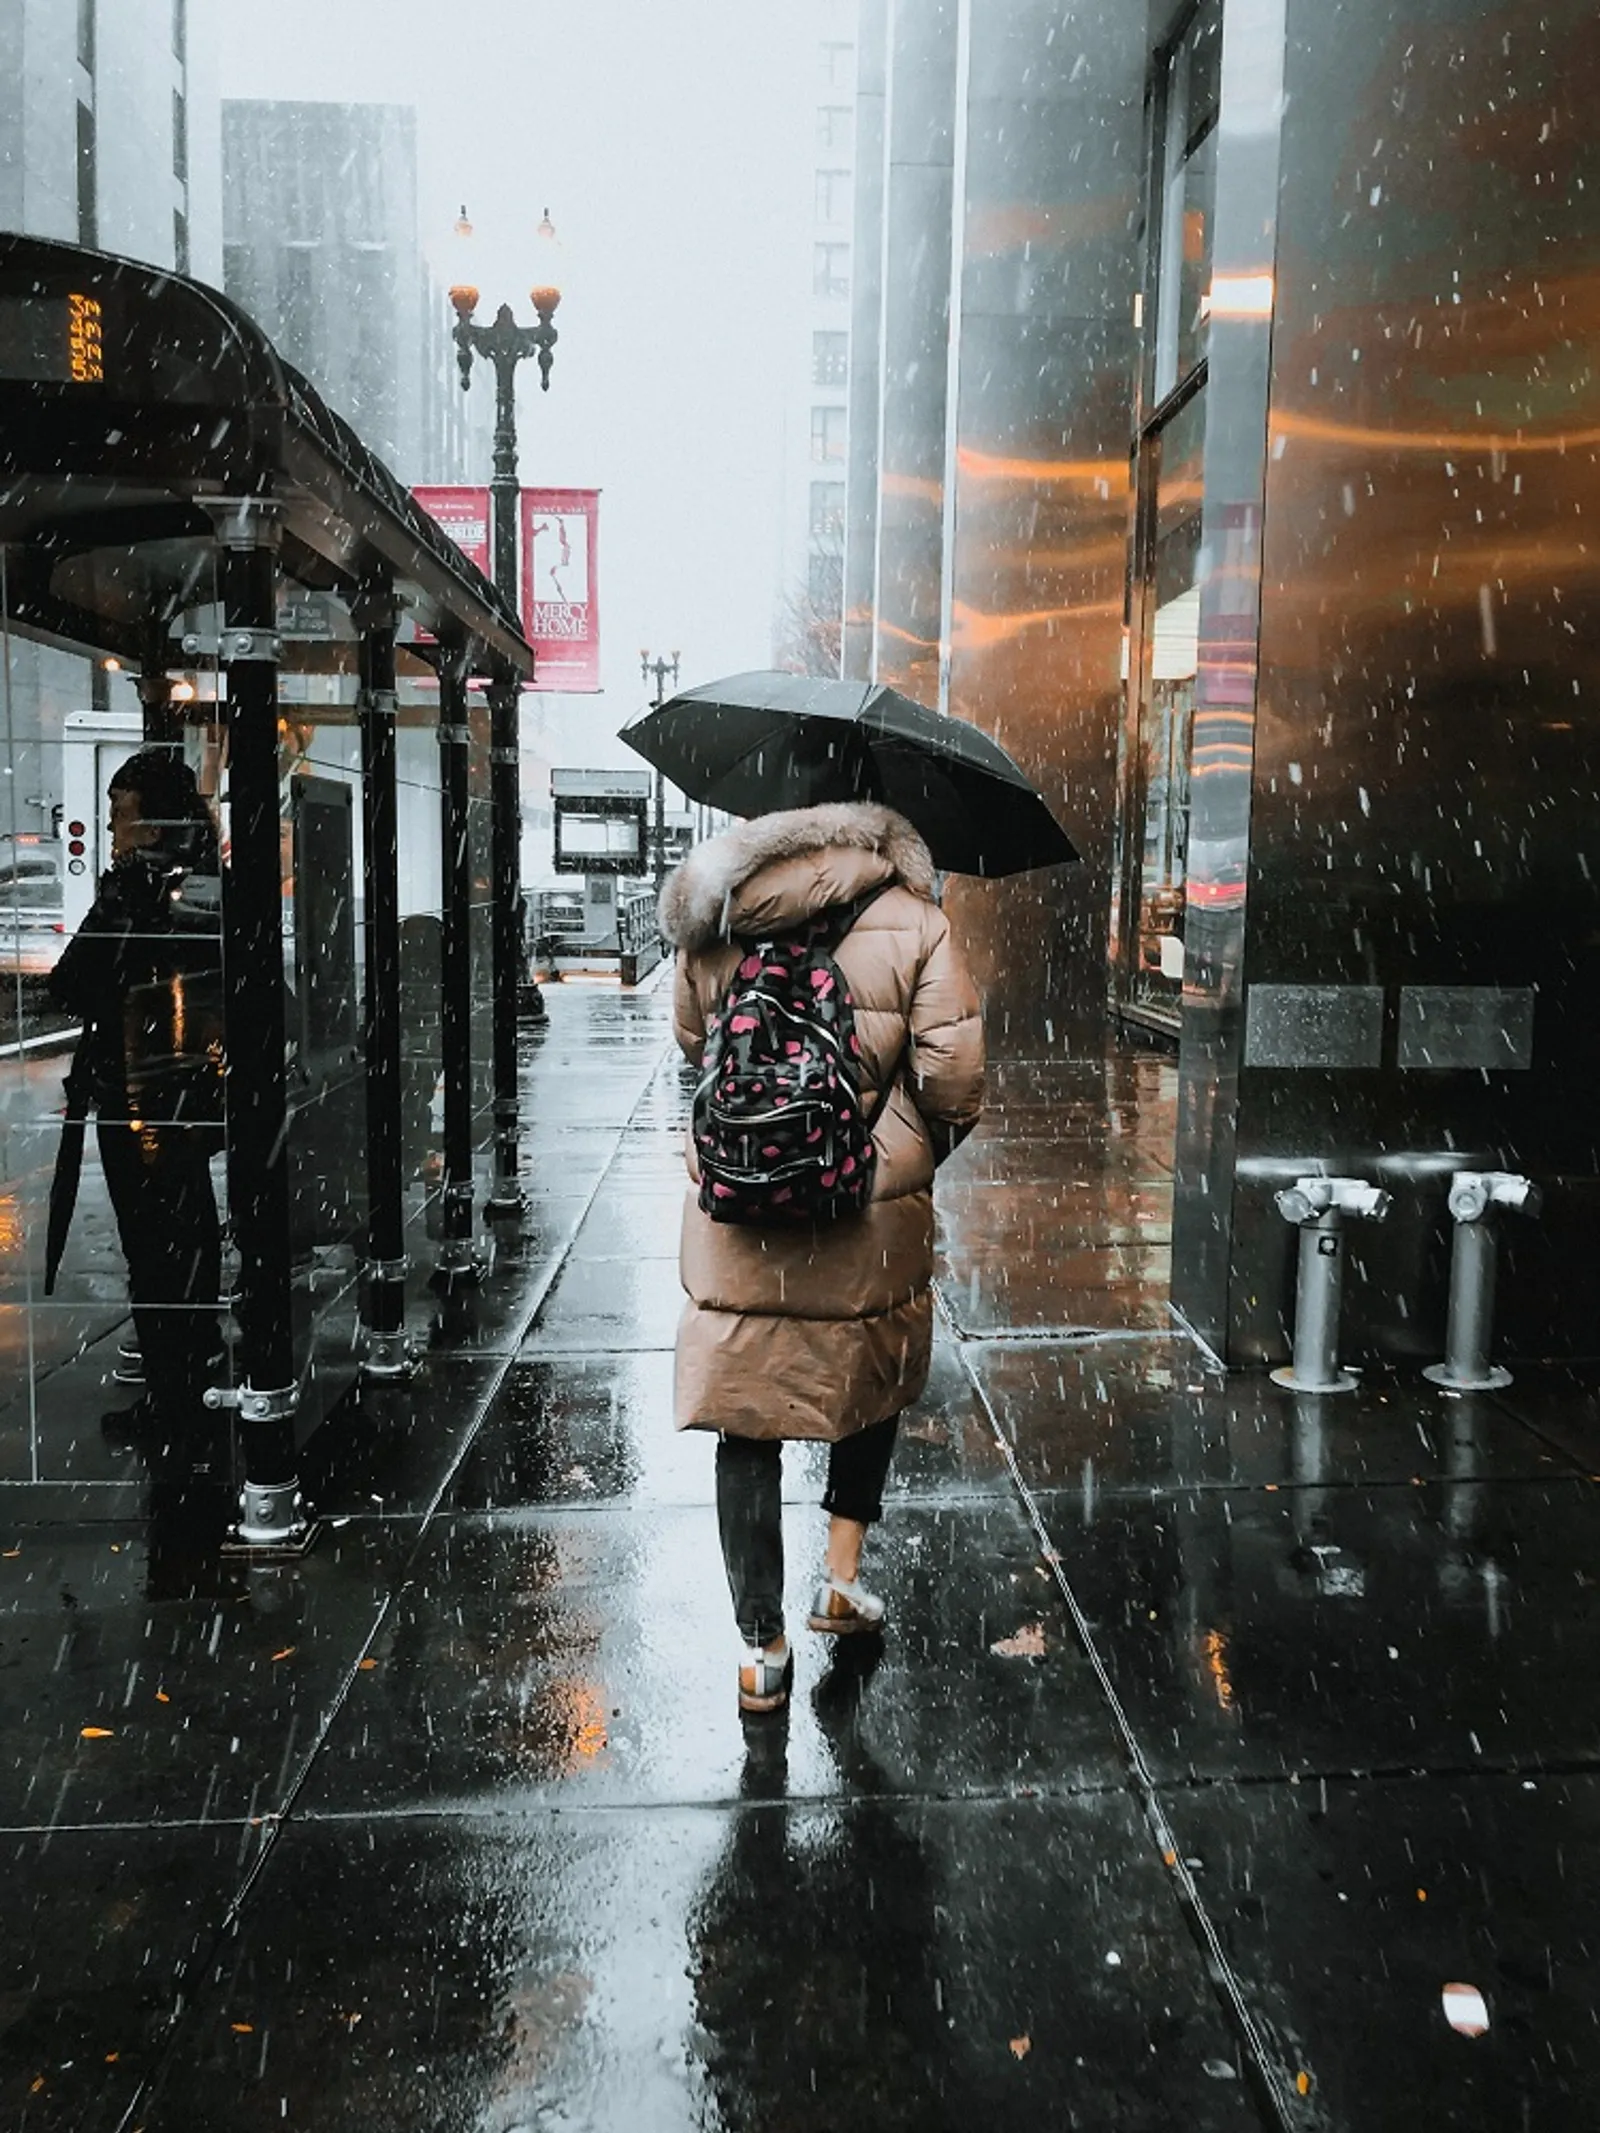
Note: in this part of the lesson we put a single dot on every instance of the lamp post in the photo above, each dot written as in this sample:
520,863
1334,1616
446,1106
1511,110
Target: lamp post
664,670
505,344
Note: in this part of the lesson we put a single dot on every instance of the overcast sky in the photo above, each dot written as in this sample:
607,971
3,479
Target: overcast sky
671,146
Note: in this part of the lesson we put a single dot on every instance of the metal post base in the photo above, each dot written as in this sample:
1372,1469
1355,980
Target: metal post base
1341,1381
389,1356
1491,1380
505,1204
459,1260
271,1521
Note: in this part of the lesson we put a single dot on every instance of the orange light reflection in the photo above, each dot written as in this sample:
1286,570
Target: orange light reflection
976,632
1108,476
1321,431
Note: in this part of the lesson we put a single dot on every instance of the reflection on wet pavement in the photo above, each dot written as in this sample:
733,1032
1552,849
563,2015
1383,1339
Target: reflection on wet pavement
1216,1730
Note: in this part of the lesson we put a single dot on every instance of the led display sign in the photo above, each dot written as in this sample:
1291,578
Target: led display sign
55,340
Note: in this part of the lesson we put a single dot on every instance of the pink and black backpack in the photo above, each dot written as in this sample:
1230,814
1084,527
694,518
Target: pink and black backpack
778,1123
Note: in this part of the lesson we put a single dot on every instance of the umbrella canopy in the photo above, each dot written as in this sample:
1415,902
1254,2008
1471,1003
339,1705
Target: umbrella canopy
759,742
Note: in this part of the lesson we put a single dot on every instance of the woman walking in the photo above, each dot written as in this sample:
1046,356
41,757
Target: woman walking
823,1328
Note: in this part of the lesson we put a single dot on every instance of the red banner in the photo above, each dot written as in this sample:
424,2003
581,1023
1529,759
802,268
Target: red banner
464,515
560,587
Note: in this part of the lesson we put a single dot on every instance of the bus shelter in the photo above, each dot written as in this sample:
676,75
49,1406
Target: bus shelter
180,508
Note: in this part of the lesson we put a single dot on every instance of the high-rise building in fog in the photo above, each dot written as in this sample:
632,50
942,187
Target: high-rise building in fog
108,127
321,247
812,599
110,136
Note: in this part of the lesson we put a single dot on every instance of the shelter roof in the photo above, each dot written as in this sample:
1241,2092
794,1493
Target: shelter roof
134,402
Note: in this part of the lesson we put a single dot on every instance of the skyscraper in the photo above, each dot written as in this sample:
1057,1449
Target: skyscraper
109,137
108,113
811,603
321,247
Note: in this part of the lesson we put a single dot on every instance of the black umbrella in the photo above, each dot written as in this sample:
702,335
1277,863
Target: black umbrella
758,742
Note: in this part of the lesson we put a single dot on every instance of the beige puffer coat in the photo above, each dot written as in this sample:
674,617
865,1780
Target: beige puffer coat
816,1333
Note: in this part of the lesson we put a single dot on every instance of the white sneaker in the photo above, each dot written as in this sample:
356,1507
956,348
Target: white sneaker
764,1678
845,1608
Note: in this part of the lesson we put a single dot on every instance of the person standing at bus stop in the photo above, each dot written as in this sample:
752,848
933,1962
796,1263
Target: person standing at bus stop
144,971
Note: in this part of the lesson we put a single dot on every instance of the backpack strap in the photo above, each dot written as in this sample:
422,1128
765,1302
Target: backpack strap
844,916
836,922
880,1103
847,915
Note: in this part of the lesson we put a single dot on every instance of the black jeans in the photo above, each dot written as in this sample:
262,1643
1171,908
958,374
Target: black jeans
159,1179
750,1513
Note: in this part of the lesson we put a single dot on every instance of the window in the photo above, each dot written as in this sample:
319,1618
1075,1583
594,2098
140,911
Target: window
180,31
827,433
838,64
86,10
180,137
1187,177
825,582
833,196
1176,464
298,207
836,125
830,270
827,508
88,182
296,308
239,275
361,194
830,358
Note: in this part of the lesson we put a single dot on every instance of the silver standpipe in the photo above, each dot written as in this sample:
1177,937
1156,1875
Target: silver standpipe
1475,1195
1319,1208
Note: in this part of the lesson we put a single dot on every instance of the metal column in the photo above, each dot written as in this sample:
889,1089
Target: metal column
456,1260
505,800
258,1088
387,1354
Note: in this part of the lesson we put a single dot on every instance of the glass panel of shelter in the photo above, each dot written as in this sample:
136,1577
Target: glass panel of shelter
324,953
73,1357
419,820
141,1067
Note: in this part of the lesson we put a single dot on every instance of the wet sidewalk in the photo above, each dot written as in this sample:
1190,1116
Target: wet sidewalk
1215,1733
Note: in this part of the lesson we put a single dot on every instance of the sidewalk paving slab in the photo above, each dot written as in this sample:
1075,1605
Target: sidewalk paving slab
874,1962
1347,1907
1153,1415
107,1930
586,1657
151,1682
1256,1633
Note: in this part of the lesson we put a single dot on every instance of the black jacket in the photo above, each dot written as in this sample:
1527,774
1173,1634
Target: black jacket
144,970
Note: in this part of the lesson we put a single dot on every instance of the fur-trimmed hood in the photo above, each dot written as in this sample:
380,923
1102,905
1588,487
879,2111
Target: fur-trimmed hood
697,898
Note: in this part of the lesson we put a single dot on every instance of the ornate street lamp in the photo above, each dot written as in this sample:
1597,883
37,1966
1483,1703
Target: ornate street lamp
664,670
505,344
